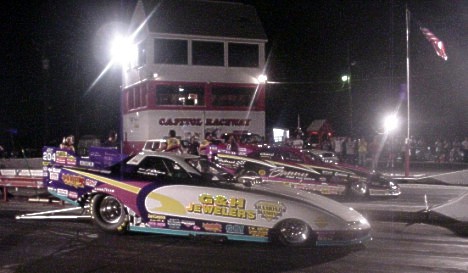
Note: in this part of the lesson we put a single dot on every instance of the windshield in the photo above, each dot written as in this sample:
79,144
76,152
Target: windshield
311,156
205,166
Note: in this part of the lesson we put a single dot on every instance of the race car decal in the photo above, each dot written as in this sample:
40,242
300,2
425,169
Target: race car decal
289,174
292,166
212,227
235,229
75,181
159,203
258,231
154,202
160,224
105,180
242,158
323,169
270,210
221,206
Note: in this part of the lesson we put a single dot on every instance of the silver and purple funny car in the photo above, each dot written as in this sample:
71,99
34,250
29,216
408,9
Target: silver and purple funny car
166,193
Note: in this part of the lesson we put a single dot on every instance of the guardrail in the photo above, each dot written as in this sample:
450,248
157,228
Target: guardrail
20,178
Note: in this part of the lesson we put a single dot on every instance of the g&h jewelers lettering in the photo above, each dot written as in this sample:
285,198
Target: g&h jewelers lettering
221,206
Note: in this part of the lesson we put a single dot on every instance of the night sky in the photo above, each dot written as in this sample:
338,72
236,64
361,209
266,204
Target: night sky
311,44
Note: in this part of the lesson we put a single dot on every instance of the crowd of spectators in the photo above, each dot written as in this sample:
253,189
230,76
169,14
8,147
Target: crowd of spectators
367,151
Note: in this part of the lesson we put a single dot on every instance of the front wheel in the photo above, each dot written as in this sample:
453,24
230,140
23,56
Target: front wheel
109,213
293,232
359,189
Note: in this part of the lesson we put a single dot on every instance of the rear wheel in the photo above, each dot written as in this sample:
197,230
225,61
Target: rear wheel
109,213
293,232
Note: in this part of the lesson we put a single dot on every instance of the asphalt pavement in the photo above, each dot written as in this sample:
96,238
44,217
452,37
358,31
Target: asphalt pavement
452,214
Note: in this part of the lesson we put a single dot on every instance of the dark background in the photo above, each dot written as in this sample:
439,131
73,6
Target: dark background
311,44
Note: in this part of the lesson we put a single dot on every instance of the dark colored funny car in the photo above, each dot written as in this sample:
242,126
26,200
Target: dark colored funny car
302,170
166,193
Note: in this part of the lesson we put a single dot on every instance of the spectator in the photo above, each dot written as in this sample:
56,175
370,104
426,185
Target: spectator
67,143
439,146
350,150
194,144
203,151
373,148
362,151
447,148
464,147
338,143
111,140
326,145
298,143
232,144
173,143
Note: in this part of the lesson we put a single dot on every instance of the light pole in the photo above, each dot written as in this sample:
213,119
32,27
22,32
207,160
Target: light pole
346,79
122,51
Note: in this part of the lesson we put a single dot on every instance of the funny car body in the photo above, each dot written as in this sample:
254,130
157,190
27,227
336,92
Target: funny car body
306,171
165,193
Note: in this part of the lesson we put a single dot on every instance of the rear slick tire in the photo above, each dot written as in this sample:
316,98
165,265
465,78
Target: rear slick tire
109,213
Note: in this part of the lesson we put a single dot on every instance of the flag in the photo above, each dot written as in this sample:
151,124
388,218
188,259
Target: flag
436,43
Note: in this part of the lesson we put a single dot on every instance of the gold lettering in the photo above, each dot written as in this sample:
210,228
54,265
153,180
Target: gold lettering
206,199
237,202
218,211
190,207
221,201
208,209
233,212
251,215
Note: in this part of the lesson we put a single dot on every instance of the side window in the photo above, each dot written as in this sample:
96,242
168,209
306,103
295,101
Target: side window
176,170
291,157
279,156
153,166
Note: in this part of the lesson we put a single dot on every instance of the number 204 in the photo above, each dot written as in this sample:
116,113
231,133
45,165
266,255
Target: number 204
48,156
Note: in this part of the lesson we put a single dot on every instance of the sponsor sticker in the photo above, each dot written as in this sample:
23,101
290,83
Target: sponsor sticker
187,223
75,181
174,223
62,192
54,176
270,210
220,205
72,195
90,182
156,224
212,227
86,163
157,217
258,231
235,229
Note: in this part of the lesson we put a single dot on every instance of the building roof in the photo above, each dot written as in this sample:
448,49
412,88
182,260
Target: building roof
204,18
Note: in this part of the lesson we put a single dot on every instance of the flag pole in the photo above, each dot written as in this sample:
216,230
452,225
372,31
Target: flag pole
407,142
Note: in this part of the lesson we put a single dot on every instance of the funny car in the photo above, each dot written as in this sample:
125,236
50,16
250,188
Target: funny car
166,193
306,171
